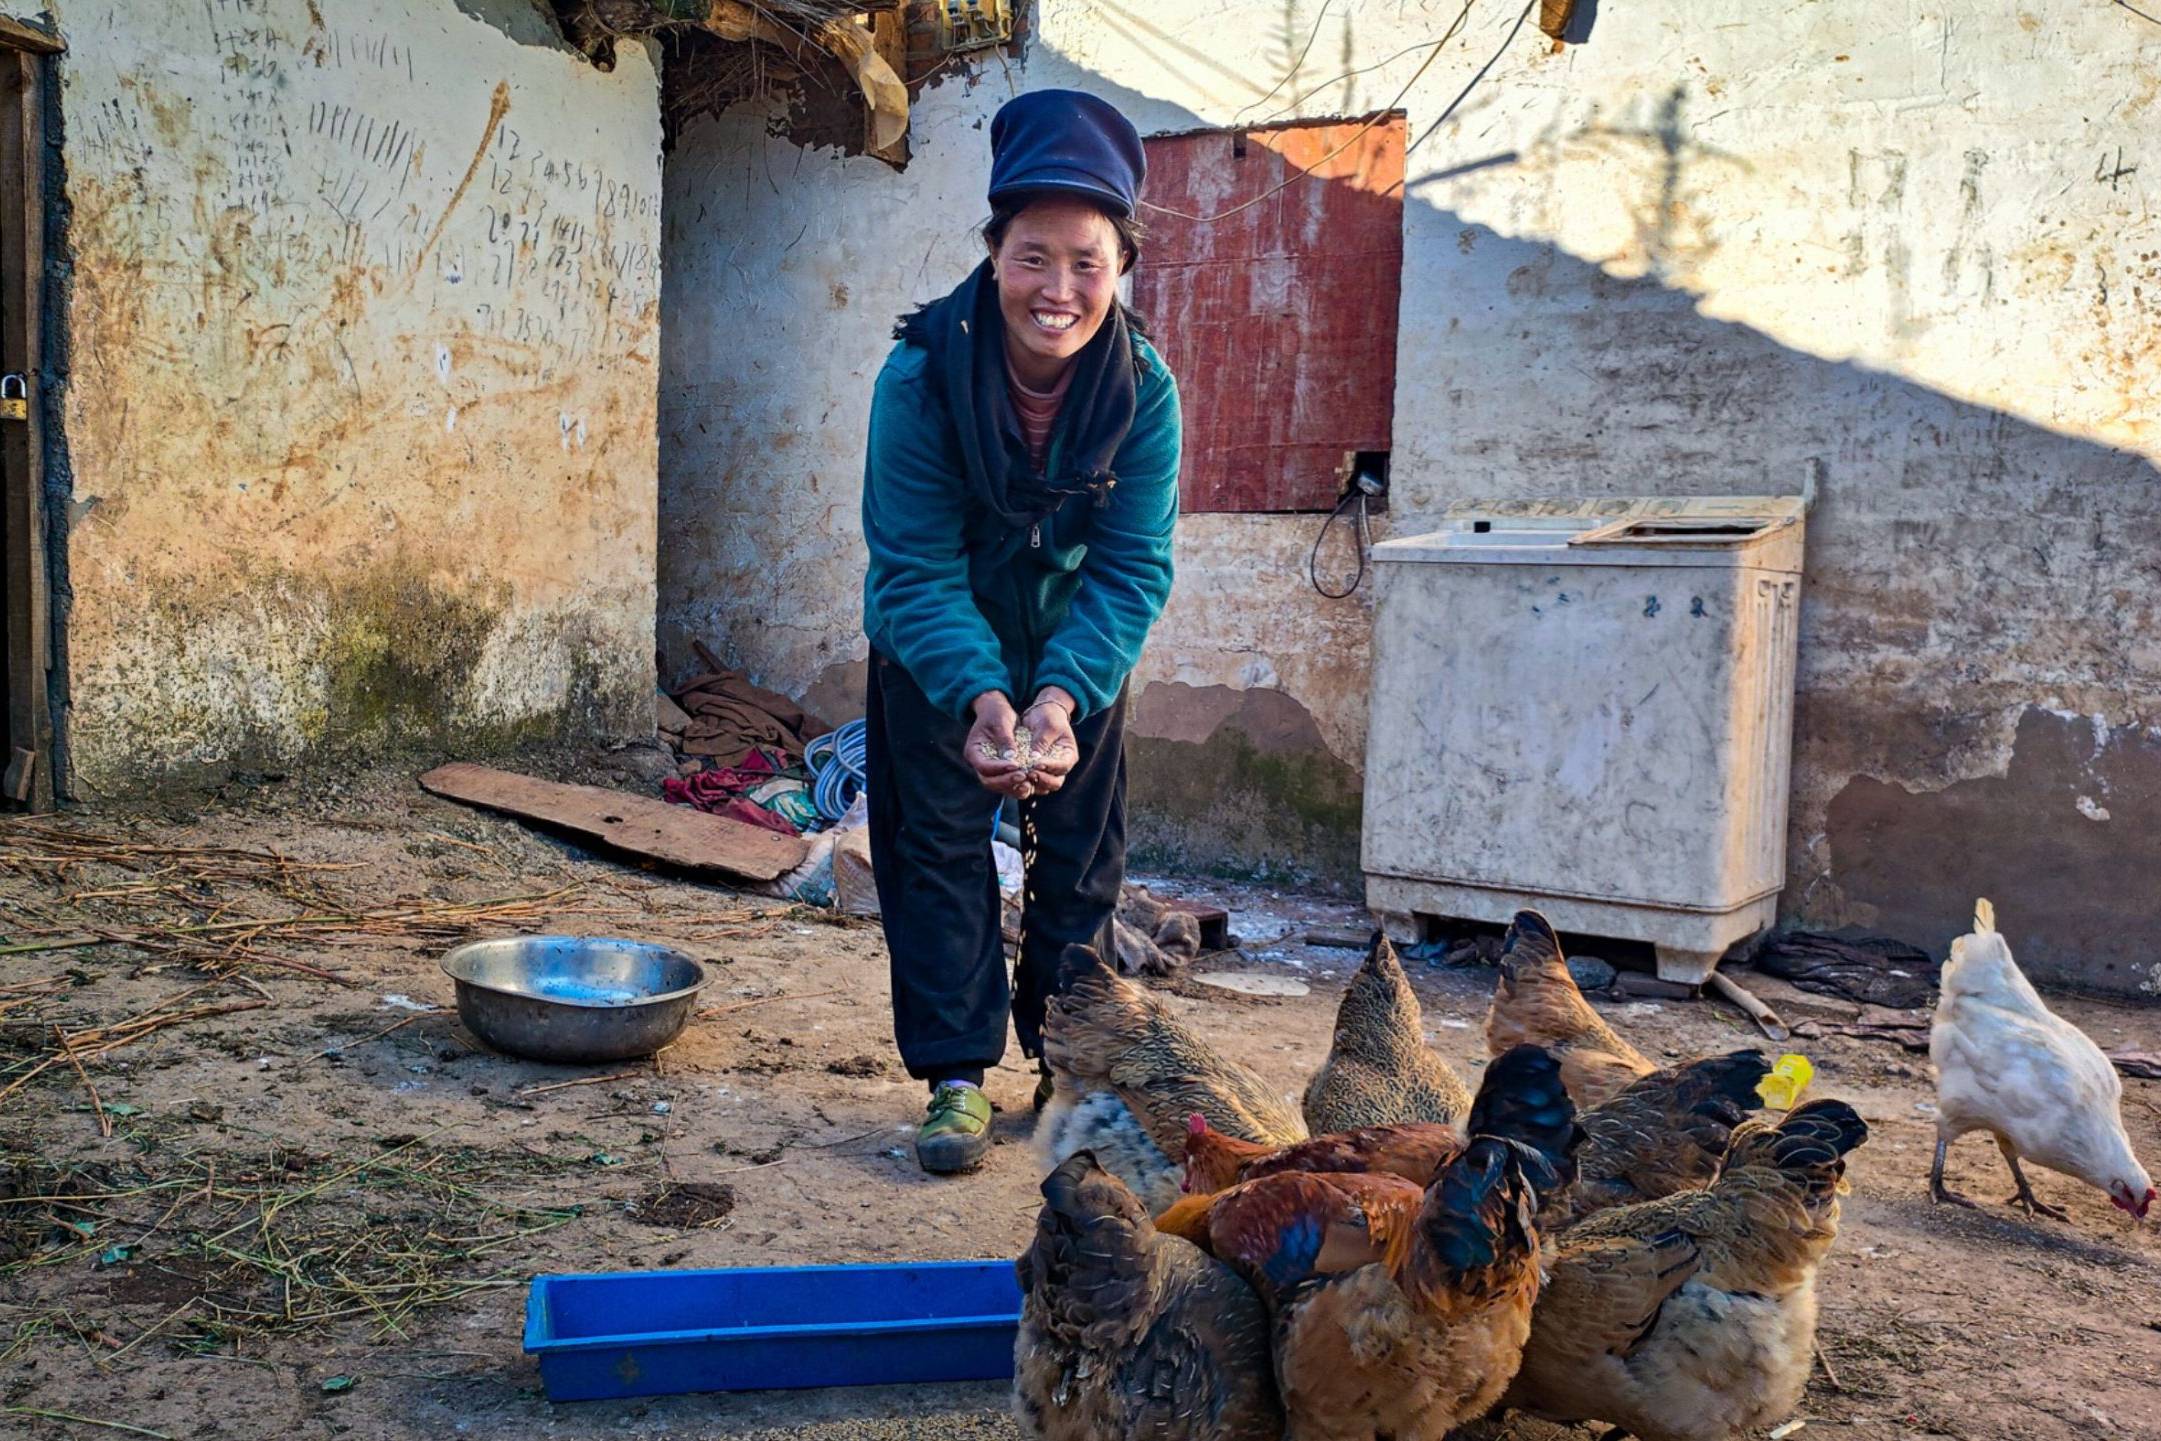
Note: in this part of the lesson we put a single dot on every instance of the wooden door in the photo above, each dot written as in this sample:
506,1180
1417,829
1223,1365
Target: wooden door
25,620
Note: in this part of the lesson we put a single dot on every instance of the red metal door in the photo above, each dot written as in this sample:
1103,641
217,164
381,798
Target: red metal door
1276,307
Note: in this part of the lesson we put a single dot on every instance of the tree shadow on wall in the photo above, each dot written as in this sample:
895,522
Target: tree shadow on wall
1968,571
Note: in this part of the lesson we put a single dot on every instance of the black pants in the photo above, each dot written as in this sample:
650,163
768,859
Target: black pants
930,834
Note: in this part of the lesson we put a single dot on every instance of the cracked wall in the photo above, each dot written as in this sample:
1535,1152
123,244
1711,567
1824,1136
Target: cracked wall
1902,259
362,328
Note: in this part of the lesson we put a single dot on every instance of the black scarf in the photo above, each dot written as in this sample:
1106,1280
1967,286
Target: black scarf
965,336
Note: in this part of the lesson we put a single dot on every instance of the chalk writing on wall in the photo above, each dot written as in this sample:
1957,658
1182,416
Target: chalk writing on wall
332,153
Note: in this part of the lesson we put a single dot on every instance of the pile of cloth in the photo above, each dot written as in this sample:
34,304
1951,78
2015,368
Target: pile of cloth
764,787
1854,965
740,750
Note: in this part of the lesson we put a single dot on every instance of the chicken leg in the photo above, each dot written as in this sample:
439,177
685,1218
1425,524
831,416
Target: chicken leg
2034,1205
1936,1189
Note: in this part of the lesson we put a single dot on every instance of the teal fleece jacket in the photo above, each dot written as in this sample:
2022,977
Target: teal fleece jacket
966,603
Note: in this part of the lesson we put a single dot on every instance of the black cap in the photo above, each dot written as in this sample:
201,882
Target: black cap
1068,141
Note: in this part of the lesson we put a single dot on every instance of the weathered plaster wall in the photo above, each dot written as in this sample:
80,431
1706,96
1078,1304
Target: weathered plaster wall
363,322
1904,258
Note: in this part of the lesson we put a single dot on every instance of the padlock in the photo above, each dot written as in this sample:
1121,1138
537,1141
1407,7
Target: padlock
14,398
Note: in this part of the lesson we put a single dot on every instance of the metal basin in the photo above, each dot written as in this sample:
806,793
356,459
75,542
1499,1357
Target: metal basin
574,998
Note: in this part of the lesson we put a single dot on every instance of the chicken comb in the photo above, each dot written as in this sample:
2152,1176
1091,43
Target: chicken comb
1196,1124
1783,1088
1984,916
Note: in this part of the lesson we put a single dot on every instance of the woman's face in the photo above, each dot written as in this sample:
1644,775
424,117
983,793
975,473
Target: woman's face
1057,269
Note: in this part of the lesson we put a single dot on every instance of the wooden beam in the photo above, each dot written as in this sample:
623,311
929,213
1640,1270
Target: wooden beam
21,775
882,89
15,35
889,37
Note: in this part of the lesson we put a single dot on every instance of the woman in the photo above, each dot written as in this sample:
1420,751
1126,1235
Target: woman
1018,499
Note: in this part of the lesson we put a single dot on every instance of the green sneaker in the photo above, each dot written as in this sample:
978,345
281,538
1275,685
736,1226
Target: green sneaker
955,1136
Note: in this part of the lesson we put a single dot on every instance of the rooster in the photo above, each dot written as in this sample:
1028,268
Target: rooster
2008,1065
1400,1312
1536,1002
1126,1074
1380,1071
1693,1318
1128,1333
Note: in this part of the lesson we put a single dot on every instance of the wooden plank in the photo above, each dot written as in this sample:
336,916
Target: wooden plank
21,774
1277,307
638,825
15,35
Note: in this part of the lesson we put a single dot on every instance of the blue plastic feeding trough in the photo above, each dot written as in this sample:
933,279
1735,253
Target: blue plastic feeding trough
661,1333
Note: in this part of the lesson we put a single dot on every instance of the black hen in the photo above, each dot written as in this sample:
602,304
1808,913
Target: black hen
1125,1332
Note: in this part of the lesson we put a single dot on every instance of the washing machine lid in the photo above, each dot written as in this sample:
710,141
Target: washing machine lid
1757,531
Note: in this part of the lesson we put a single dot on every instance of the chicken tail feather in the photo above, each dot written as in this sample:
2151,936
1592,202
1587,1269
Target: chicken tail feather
1090,1014
1087,1261
1720,1090
1531,939
1079,965
1463,1223
1809,1144
1522,1102
1531,928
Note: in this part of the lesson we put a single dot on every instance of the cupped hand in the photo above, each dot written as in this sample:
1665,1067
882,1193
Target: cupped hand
1052,751
993,751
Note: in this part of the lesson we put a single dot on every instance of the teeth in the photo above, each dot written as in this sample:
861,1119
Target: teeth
1053,322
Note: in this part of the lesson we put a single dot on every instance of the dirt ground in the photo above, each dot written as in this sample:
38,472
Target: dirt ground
316,1217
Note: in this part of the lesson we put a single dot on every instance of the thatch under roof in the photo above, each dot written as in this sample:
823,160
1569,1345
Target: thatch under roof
721,51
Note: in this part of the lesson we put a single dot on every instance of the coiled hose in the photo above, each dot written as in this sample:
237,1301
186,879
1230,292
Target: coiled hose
838,762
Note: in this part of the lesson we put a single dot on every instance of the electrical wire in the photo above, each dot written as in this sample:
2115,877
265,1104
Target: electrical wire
1332,81
1290,74
1362,537
1472,84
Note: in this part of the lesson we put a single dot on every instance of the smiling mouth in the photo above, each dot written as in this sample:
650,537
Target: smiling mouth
1054,321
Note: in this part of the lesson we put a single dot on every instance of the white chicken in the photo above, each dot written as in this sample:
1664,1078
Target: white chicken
2008,1065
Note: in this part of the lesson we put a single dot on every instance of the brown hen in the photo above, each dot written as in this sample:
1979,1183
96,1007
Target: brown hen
1380,1071
1693,1318
1414,1151
1399,1312
1536,1002
1660,1135
1127,1074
